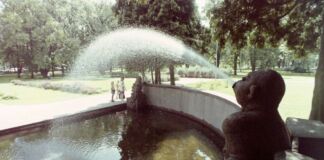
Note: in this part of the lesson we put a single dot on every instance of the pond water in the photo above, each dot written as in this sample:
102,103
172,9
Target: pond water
155,135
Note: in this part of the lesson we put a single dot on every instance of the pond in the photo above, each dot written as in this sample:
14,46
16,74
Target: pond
155,135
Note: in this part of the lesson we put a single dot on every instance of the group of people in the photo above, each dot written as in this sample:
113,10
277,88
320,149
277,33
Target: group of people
120,87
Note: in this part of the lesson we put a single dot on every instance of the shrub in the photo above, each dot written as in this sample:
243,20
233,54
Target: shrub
9,97
72,88
196,72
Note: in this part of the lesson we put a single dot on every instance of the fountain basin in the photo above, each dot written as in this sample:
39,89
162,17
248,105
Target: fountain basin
180,118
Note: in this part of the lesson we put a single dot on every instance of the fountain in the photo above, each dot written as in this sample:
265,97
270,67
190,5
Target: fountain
137,44
180,121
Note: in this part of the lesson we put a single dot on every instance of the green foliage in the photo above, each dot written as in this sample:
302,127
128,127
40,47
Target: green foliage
175,17
261,22
71,88
45,34
195,72
7,97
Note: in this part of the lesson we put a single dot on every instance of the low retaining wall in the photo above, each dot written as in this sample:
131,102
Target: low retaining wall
201,105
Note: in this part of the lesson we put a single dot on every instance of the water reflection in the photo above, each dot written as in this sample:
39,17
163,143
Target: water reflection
123,135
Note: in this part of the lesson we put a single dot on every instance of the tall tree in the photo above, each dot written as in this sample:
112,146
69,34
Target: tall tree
175,17
46,33
299,22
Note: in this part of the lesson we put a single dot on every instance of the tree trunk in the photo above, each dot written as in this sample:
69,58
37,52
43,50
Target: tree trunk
44,72
317,112
143,75
31,52
253,59
157,75
19,67
152,75
218,56
63,71
19,71
172,78
53,69
235,62
31,72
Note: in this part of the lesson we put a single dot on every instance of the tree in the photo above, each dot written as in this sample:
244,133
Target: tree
44,34
175,17
298,22
13,39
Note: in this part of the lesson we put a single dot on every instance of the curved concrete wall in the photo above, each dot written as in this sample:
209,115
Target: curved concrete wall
204,106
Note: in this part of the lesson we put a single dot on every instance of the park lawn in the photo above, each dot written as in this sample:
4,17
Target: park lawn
295,103
31,95
101,83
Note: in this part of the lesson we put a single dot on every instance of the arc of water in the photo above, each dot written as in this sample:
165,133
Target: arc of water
127,44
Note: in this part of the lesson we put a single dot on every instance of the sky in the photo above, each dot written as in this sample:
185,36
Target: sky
201,5
1,6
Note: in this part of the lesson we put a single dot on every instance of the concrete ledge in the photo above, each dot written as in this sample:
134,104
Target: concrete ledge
204,106
308,135
288,155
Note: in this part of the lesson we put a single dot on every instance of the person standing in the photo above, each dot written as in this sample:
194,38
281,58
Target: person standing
113,90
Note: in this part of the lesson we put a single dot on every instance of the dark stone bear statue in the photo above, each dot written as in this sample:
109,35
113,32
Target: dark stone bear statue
256,132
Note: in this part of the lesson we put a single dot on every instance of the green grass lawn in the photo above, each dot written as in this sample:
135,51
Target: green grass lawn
31,95
295,103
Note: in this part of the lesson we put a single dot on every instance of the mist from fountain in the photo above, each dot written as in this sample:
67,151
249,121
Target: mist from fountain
137,45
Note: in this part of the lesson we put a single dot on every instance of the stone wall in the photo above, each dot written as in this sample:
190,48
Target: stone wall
204,106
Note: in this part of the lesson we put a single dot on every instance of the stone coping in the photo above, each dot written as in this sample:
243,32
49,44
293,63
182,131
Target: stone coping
305,128
288,155
231,102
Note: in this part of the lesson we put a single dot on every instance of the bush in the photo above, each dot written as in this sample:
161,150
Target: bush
9,97
299,69
128,74
196,72
72,88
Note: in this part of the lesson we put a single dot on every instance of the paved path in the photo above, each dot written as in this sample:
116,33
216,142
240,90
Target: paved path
12,116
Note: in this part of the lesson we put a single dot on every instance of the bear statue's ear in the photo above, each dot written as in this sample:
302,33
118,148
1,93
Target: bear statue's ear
252,91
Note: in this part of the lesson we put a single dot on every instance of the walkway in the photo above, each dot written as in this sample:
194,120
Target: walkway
13,116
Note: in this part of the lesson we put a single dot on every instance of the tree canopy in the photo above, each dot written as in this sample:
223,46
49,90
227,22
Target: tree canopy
43,34
297,22
175,17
